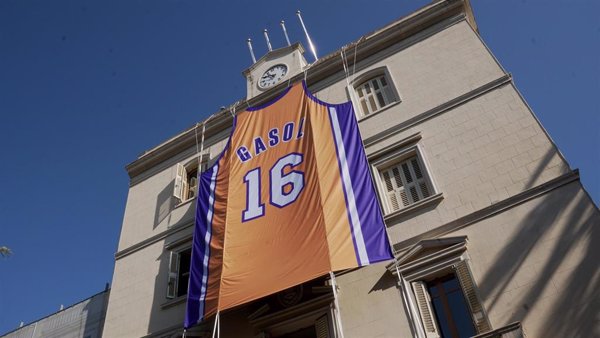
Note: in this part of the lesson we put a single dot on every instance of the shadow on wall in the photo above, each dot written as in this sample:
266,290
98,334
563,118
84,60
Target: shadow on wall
387,281
95,311
565,225
540,168
84,319
157,315
164,204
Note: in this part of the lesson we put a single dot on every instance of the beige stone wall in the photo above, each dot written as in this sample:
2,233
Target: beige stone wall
535,263
150,207
139,289
371,304
426,74
479,153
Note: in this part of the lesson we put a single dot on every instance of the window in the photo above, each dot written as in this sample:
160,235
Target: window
440,291
191,184
374,91
405,183
449,307
402,178
179,272
186,181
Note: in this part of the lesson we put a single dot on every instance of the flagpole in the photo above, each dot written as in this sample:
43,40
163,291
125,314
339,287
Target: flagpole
310,43
336,307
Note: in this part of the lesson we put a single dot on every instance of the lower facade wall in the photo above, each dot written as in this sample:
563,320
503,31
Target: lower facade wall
371,304
536,263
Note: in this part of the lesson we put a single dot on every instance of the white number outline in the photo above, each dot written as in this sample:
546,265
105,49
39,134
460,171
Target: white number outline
261,206
294,159
281,187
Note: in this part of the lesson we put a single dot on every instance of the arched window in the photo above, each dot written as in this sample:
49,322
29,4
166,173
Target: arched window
374,92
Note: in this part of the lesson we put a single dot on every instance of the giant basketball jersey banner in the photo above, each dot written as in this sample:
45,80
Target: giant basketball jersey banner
290,199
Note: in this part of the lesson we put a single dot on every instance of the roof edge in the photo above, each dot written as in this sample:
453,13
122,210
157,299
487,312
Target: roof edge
366,45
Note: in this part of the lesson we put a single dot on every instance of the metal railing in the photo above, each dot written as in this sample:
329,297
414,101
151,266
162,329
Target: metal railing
513,330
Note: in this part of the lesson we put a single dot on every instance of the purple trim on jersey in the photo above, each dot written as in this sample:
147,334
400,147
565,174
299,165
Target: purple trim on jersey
367,204
310,95
201,247
337,151
265,105
234,124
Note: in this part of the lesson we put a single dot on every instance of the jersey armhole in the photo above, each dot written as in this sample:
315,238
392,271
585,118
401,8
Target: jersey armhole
310,95
227,146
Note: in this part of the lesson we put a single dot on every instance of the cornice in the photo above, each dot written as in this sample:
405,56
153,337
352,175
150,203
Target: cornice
440,109
490,211
323,68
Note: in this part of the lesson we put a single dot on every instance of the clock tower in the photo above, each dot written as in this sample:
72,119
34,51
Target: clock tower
275,67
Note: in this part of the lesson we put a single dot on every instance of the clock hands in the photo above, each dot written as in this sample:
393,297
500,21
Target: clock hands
272,76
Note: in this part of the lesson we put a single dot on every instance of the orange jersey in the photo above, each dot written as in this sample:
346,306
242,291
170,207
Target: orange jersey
290,199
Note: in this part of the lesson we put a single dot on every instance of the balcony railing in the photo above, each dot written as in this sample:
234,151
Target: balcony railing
514,330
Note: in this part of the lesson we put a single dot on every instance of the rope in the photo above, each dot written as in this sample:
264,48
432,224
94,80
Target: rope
337,304
354,63
305,76
219,325
200,150
232,109
344,64
216,327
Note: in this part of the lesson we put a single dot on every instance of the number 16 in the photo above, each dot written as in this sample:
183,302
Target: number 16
277,183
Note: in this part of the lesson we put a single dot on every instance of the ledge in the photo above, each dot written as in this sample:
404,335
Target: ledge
173,302
404,143
324,68
303,309
414,207
181,204
514,330
378,111
494,209
440,109
151,240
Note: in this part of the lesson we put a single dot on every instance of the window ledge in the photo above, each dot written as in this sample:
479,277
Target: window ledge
173,302
181,204
365,117
415,206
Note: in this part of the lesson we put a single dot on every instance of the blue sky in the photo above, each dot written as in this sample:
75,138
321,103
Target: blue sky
86,86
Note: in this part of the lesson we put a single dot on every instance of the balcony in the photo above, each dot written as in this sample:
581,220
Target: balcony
513,330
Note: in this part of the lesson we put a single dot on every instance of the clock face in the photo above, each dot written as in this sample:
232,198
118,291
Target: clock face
272,76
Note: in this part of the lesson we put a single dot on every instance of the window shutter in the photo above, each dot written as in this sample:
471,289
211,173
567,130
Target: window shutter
179,182
425,310
405,183
468,285
322,327
172,281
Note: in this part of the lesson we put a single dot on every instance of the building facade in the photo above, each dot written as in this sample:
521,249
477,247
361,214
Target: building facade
493,233
81,320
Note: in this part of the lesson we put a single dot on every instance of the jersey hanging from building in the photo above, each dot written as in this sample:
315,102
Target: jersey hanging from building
290,199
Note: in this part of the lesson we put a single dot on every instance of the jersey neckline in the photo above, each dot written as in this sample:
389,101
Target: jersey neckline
307,92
